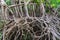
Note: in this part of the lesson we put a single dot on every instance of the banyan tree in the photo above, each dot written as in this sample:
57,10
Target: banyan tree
29,21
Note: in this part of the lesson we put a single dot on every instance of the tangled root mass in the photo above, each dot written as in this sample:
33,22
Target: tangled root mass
33,28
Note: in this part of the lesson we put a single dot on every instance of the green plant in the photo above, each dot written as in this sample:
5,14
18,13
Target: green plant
0,35
8,2
54,3
38,1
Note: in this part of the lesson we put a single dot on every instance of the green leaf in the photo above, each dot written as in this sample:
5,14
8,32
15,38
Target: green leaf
8,2
38,1
54,3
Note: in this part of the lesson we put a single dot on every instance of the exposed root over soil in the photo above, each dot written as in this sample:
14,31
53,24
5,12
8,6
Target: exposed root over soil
33,28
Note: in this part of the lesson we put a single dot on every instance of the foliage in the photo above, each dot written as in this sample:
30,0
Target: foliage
8,2
0,35
38,1
55,3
